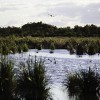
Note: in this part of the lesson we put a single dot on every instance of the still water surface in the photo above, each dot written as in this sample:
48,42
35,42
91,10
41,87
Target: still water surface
58,65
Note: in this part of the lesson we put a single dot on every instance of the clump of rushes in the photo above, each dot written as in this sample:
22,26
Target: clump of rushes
6,80
91,49
22,48
5,50
71,49
13,49
32,82
79,49
39,46
86,82
25,47
0,51
19,49
52,47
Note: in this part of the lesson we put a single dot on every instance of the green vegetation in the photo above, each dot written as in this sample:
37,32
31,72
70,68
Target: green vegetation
78,45
29,83
39,46
32,82
9,45
7,81
52,47
39,36
45,30
84,83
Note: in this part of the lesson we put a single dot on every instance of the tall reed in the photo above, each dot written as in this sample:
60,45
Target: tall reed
7,81
32,82
85,82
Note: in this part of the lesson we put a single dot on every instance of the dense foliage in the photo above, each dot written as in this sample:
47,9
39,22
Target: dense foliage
41,29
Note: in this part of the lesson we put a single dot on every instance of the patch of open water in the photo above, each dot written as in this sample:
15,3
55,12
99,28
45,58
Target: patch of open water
58,65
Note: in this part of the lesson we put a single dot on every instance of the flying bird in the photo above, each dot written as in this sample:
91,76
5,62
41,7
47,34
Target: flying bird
50,15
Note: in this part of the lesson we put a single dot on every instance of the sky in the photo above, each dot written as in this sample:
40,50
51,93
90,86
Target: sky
60,13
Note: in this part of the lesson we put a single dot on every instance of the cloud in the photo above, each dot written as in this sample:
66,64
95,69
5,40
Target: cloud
65,12
68,9
92,14
7,9
73,14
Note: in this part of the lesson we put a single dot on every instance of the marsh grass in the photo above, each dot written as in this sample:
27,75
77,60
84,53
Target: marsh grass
29,83
52,47
25,47
90,45
32,82
7,81
83,84
39,46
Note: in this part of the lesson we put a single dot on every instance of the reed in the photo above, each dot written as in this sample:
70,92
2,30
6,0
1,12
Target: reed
90,45
32,82
7,81
85,82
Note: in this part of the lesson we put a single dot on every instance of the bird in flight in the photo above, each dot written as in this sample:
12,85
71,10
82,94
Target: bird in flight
50,15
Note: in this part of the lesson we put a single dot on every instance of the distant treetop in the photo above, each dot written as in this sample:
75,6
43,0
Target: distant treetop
42,29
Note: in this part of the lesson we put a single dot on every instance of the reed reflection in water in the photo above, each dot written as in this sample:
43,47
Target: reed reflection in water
85,97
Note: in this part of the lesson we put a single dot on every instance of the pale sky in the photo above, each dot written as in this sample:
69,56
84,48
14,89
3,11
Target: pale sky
64,12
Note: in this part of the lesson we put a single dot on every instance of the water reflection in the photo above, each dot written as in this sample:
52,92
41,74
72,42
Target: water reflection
58,65
85,97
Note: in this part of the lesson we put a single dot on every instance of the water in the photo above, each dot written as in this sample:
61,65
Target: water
58,65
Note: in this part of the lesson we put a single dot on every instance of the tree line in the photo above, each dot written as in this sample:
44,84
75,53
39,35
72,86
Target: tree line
42,29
